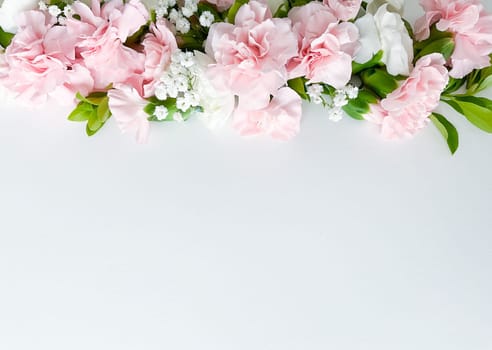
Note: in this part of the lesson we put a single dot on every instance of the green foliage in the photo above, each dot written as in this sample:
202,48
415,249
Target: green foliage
137,36
478,110
453,85
93,109
445,46
359,106
299,86
379,81
479,80
283,10
375,61
440,42
5,38
58,3
447,130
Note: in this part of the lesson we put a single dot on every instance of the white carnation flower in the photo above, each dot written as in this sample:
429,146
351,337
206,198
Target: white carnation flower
386,31
10,10
217,105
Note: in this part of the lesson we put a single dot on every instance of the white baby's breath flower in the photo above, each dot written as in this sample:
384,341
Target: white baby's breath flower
340,99
187,60
176,69
183,103
172,91
187,12
206,19
181,83
62,20
194,98
161,11
173,15
54,10
161,112
161,91
335,114
182,25
351,91
68,11
189,8
42,6
314,91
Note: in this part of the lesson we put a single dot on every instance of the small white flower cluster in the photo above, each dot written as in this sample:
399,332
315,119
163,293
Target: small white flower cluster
178,82
56,12
334,103
180,16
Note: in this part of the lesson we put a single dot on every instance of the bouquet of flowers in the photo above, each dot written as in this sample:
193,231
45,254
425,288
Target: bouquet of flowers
250,62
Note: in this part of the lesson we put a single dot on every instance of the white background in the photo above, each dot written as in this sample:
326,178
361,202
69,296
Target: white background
336,240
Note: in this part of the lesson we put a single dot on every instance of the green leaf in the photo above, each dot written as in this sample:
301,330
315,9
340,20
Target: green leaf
94,98
358,107
445,46
379,81
231,14
283,10
298,86
135,38
58,3
373,62
409,28
447,130
81,113
485,84
93,124
103,112
479,80
435,35
478,110
453,85
150,109
5,38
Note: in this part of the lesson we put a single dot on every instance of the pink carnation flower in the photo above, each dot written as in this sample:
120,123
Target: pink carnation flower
326,47
104,31
472,29
251,54
406,110
280,119
344,9
127,108
158,45
39,62
222,5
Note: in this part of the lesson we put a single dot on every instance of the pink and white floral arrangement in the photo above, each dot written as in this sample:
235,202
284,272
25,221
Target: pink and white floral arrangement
250,62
